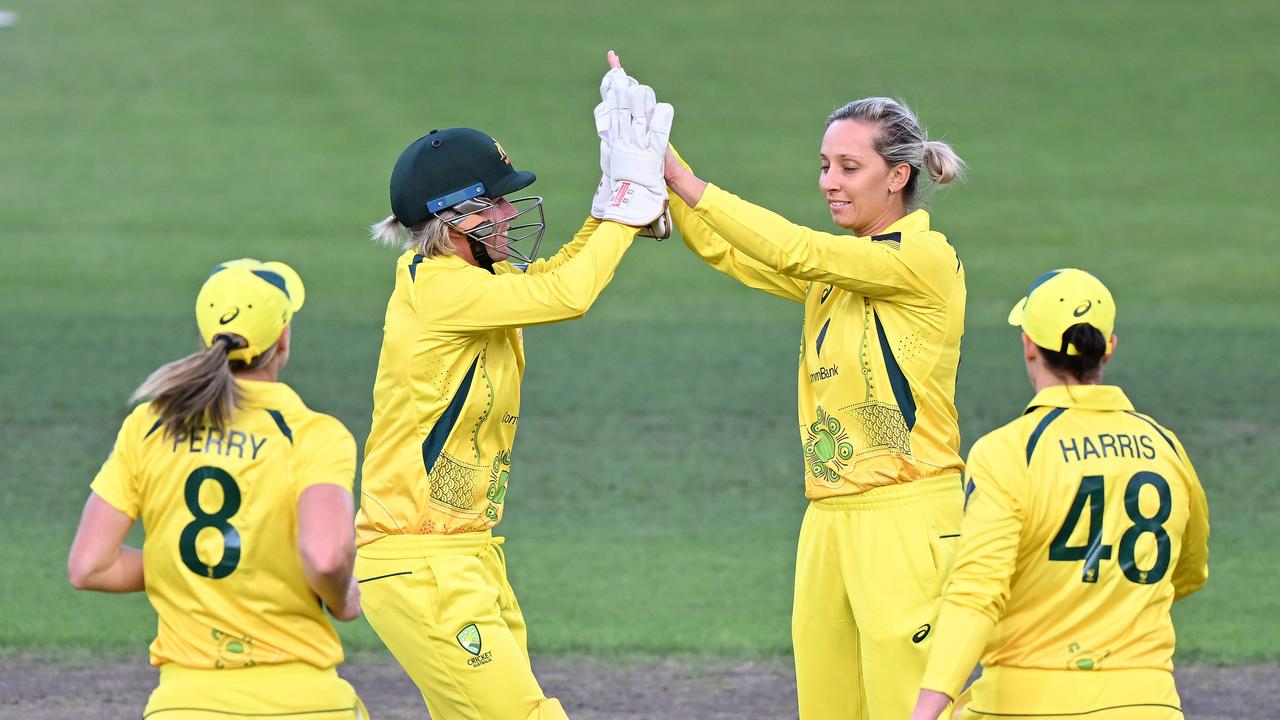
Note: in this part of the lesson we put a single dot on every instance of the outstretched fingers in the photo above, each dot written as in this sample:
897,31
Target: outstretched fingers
660,125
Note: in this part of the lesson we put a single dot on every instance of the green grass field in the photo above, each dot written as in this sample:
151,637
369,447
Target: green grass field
658,486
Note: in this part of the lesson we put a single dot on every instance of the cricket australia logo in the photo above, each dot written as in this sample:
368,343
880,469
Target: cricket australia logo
469,639
827,449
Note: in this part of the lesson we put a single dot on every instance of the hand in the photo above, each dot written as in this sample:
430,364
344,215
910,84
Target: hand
350,609
637,137
929,705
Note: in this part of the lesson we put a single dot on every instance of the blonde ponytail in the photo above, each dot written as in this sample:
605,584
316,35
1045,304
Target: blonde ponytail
943,164
429,238
198,390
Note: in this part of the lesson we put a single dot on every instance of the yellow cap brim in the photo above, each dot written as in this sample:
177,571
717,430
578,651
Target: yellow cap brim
1015,315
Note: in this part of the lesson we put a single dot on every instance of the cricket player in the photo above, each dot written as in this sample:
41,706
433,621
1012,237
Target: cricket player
447,394
883,317
245,494
1085,521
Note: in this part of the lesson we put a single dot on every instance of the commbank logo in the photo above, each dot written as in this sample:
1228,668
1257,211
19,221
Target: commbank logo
921,634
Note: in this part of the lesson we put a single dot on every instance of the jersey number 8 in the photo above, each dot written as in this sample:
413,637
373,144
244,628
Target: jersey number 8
216,520
1091,492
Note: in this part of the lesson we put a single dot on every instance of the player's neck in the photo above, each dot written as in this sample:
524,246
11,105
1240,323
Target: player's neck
269,373
1045,379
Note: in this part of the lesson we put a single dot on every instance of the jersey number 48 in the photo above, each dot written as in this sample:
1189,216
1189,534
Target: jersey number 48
1092,493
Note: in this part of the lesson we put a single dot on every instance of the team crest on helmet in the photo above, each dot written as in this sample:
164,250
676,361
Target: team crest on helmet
502,152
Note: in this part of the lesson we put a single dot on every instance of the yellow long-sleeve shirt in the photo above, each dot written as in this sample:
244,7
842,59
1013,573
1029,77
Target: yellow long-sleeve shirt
1084,521
447,393
883,318
220,510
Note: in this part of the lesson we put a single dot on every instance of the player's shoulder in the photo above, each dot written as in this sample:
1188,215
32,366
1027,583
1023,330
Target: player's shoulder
1014,442
995,447
143,421
1166,434
316,429
1156,425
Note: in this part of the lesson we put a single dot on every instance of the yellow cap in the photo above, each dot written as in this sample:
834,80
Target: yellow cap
252,299
1059,299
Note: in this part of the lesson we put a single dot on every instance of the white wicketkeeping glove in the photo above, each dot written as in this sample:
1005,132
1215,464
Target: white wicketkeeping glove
605,124
637,138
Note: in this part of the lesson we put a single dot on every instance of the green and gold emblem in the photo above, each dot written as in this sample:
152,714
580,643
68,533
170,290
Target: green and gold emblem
233,651
827,448
1082,659
498,475
469,639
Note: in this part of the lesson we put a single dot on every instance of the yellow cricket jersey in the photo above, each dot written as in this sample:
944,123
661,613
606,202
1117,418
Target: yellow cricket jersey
220,510
446,401
883,317
1084,522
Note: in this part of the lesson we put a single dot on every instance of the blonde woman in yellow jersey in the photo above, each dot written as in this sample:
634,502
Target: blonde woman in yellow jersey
245,495
883,316
1084,522
447,395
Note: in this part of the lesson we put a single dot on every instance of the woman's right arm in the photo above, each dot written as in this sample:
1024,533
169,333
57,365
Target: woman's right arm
99,559
324,475
326,546
471,300
909,272
709,245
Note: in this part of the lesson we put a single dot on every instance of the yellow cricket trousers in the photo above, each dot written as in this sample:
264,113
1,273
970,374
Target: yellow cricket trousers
443,607
1009,693
288,691
869,575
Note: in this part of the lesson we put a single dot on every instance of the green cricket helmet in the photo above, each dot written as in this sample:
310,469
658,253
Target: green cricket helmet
464,171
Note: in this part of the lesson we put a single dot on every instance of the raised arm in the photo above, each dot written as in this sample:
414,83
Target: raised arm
472,300
709,245
883,266
563,255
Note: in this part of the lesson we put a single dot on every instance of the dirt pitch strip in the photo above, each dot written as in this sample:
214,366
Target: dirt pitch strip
41,688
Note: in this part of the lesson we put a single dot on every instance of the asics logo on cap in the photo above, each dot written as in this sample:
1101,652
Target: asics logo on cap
1084,308
228,316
